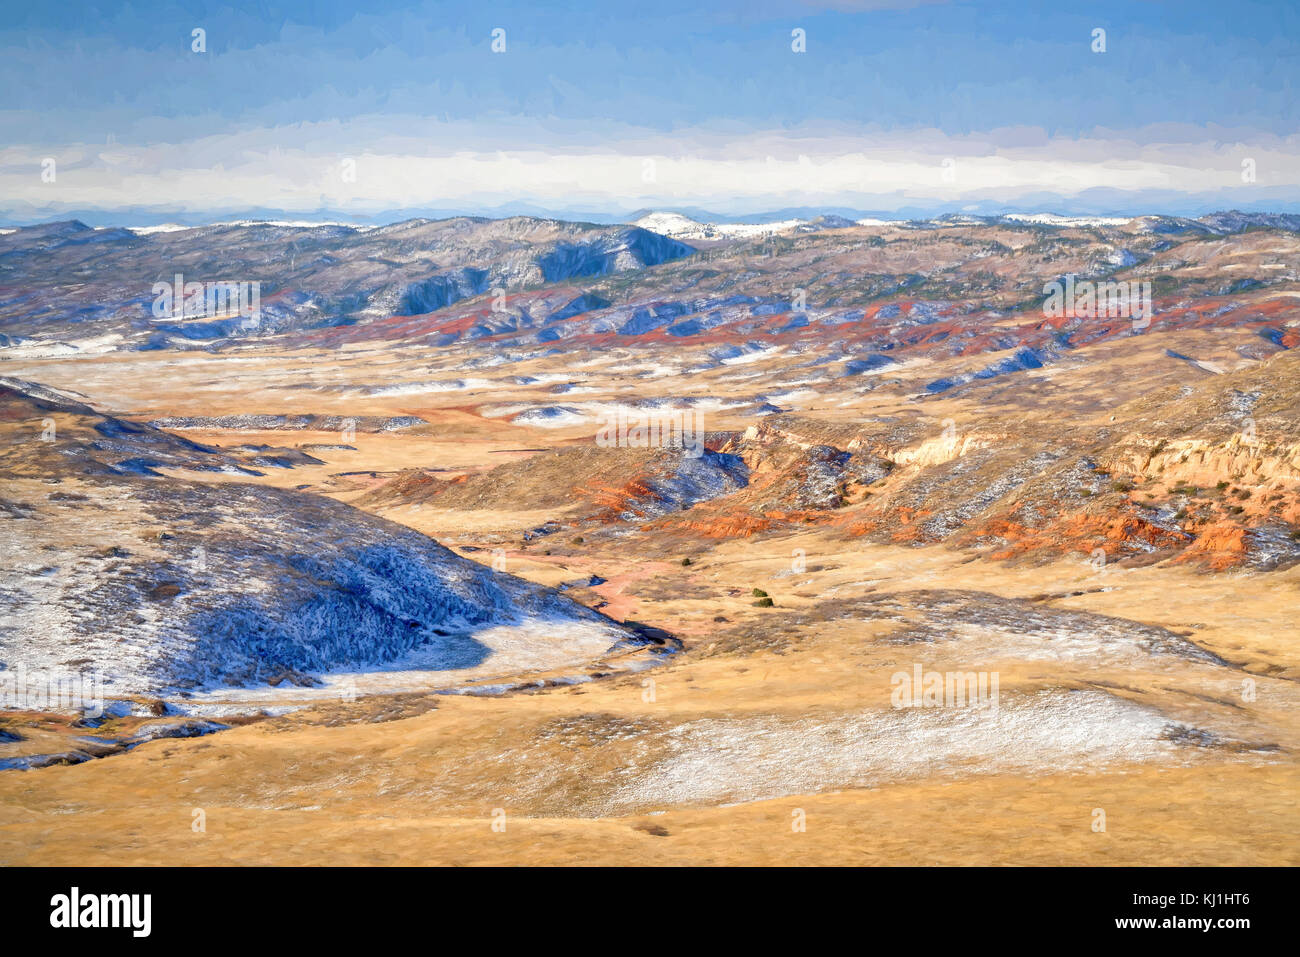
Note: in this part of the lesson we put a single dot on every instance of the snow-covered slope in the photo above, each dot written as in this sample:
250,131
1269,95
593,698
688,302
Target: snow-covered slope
1053,219
159,585
678,226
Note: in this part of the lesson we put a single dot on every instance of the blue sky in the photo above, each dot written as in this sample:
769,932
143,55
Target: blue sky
896,106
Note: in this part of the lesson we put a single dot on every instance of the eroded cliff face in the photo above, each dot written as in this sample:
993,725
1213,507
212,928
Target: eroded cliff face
1205,474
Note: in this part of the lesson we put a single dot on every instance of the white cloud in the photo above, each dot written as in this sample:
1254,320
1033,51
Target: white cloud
300,169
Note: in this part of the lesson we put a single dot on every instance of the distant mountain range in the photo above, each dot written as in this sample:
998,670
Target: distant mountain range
681,226
70,288
102,279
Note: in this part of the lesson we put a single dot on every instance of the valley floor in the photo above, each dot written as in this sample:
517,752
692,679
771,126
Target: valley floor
1145,713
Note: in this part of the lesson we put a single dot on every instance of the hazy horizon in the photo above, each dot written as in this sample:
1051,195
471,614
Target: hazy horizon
133,221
